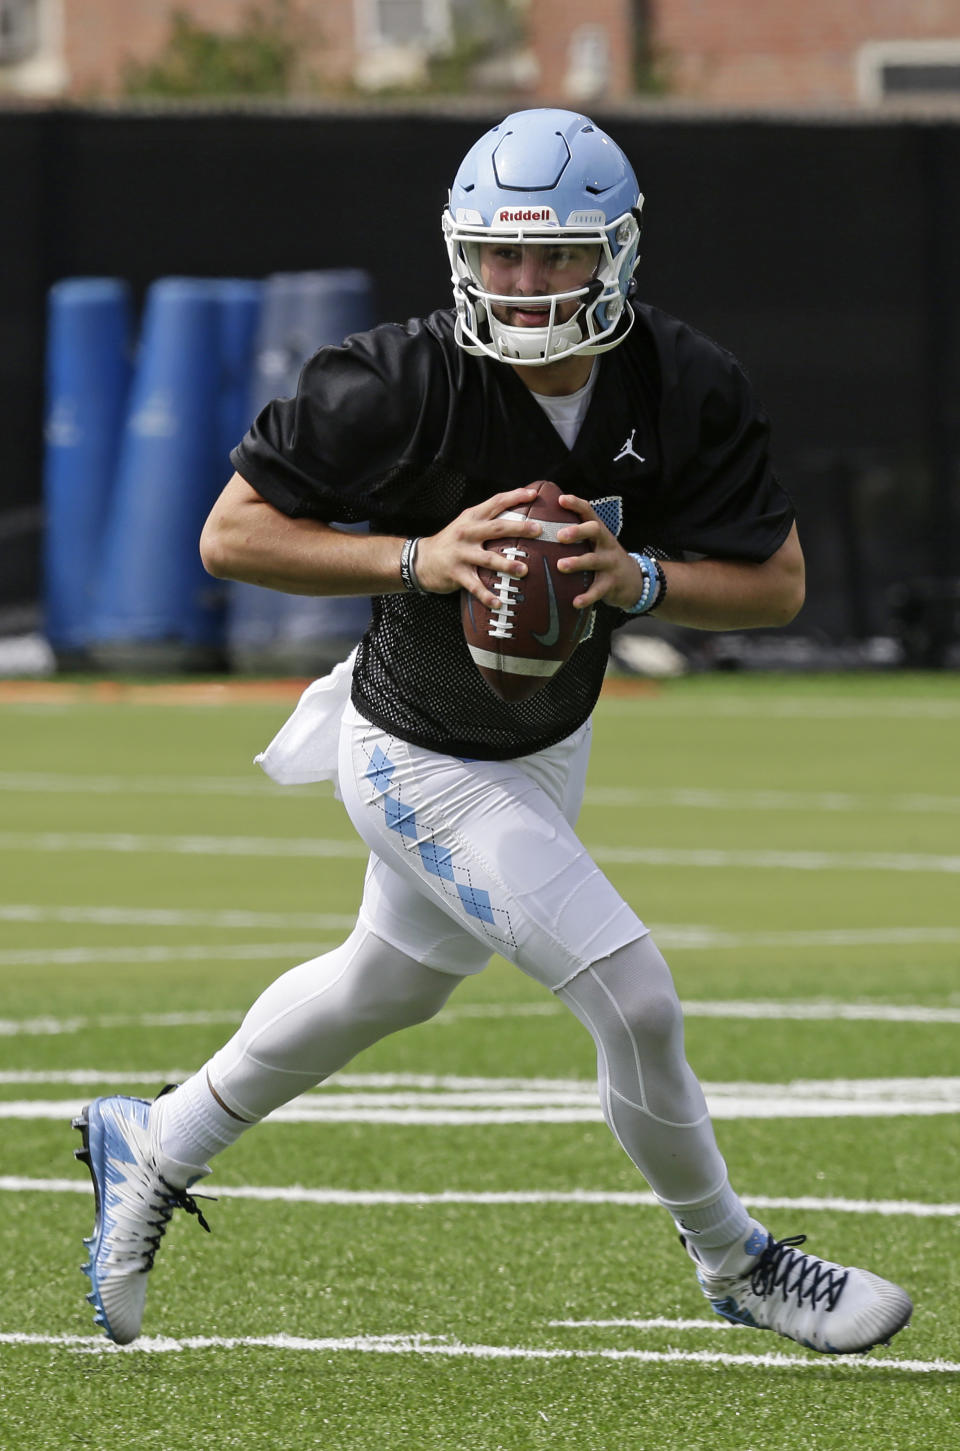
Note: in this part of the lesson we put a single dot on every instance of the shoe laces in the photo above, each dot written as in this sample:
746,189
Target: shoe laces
142,1212
782,1266
174,1199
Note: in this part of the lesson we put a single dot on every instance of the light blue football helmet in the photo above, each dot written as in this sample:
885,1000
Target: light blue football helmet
547,177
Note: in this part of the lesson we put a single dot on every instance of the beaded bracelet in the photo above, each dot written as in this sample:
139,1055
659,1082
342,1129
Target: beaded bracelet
654,585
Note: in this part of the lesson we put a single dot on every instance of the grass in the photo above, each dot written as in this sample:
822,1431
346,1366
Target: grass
829,807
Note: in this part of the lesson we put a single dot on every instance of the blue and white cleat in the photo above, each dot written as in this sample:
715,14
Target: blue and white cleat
826,1307
134,1202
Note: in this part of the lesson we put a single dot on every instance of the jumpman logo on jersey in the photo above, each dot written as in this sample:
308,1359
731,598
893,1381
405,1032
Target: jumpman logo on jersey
628,451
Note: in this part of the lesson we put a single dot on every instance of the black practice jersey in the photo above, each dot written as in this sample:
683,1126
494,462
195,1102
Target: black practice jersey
400,427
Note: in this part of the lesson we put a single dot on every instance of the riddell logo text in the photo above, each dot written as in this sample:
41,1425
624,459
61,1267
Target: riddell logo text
525,214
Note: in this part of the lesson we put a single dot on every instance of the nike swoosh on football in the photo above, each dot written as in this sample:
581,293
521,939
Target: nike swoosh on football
552,633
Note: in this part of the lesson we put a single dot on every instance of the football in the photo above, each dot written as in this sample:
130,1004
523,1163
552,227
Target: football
519,646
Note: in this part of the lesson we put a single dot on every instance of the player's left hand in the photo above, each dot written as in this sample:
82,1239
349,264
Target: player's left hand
617,578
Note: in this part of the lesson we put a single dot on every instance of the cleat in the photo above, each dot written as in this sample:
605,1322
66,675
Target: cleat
134,1200
830,1308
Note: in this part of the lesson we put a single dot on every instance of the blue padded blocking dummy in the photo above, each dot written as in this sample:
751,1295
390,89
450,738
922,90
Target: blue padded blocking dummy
240,303
89,347
157,607
267,630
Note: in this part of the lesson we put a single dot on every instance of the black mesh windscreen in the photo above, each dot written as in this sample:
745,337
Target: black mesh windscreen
823,254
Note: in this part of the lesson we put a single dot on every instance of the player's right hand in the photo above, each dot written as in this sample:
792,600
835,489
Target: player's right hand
449,560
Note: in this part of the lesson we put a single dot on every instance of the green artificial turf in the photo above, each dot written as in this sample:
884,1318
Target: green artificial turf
829,808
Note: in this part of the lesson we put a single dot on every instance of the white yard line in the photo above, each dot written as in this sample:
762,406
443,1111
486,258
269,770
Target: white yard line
707,799
747,1106
656,1322
196,952
232,918
372,1090
576,1101
50,1026
502,1117
548,1007
62,783
791,861
45,1026
692,797
674,935
48,842
713,938
736,707
625,1199
80,1076
679,939
824,1012
131,842
438,1345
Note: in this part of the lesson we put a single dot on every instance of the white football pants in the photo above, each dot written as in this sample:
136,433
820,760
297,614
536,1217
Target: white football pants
468,858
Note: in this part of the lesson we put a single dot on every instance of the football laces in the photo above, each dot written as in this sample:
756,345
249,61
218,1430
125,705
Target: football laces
507,590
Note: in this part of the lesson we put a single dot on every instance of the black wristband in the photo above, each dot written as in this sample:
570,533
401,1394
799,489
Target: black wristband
661,593
654,585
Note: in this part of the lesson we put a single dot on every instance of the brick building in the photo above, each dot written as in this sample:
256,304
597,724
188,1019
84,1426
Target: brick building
826,52
755,53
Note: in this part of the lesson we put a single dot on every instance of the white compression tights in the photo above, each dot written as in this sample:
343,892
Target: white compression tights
318,1016
651,1099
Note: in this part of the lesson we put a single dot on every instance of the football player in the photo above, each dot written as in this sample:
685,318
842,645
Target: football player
546,367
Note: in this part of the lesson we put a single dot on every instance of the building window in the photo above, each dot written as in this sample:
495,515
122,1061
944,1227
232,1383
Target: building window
396,39
19,31
908,70
424,23
401,22
588,63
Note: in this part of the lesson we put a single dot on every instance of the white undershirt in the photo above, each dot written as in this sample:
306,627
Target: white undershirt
568,411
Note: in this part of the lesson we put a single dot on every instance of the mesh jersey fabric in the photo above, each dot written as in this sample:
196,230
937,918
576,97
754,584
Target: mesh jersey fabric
401,428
